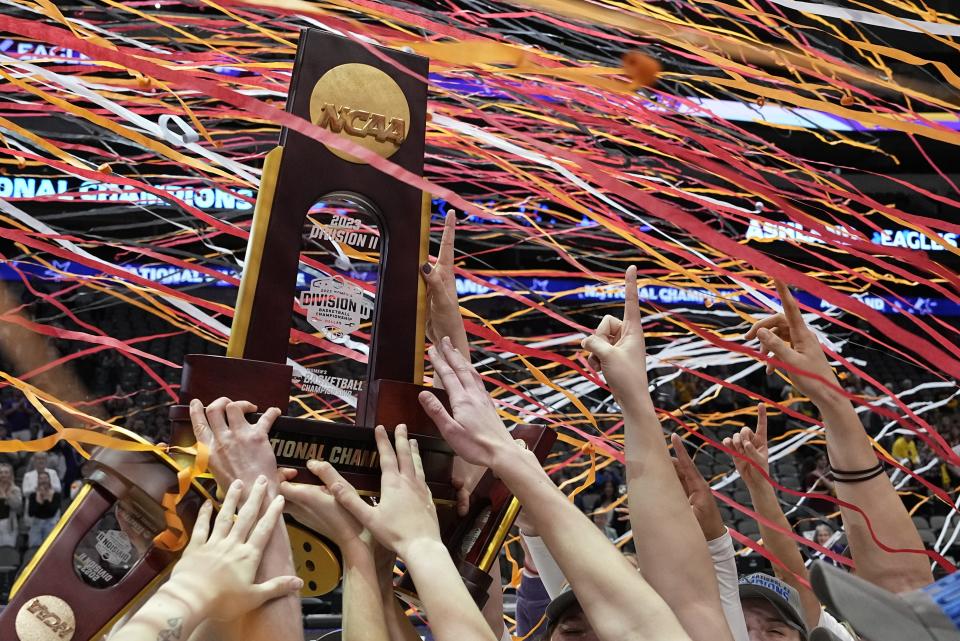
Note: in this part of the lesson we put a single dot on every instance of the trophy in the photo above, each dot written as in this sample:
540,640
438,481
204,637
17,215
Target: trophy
328,327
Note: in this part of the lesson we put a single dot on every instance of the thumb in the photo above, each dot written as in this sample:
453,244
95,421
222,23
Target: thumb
773,343
597,346
294,492
437,412
348,498
276,587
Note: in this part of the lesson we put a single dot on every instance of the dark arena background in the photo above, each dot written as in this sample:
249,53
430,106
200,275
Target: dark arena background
715,145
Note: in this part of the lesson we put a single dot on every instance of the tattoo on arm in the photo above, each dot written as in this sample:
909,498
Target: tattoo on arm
173,631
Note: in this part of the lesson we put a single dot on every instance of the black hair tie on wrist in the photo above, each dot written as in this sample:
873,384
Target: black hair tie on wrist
856,476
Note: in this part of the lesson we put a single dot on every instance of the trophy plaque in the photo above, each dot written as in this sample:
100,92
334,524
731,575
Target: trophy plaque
328,327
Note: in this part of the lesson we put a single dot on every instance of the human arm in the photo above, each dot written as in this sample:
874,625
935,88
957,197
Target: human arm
719,542
405,521
671,551
750,447
443,312
241,450
315,507
793,344
444,319
215,577
616,599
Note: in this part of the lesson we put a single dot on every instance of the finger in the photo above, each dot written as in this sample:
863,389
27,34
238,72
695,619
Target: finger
224,521
348,498
417,461
631,300
276,587
738,443
286,474
790,308
443,369
296,493
236,411
601,348
728,443
761,424
445,255
265,423
326,473
201,529
463,501
404,456
249,511
680,452
593,361
461,366
769,322
752,452
609,328
438,413
388,458
770,342
199,420
265,526
216,420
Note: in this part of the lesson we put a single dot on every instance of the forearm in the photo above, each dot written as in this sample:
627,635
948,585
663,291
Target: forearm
850,449
781,546
451,611
280,618
493,609
164,617
363,612
616,599
671,550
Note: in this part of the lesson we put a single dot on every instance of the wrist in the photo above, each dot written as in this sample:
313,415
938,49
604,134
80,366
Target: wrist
510,460
176,601
418,550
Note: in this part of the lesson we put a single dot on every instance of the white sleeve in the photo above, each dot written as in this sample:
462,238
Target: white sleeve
725,567
827,621
550,573
30,482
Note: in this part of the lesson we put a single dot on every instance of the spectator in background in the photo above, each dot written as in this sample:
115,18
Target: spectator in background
18,418
603,520
43,507
39,464
11,505
824,535
819,481
905,450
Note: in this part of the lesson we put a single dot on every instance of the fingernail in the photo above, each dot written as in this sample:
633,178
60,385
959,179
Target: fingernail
279,500
261,480
426,268
297,583
446,340
194,402
236,483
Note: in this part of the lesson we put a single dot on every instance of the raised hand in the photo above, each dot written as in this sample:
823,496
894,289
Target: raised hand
316,507
618,347
697,490
443,312
405,515
238,449
788,338
751,446
216,573
475,431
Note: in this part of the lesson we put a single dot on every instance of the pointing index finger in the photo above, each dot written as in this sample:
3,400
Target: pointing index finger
631,299
790,308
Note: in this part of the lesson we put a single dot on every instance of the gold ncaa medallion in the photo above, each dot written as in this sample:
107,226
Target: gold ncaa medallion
363,104
45,618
